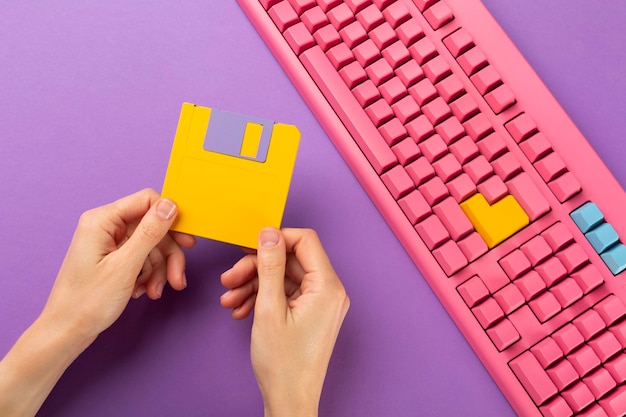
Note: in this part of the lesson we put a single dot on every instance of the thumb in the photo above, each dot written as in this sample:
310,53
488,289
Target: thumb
150,231
271,259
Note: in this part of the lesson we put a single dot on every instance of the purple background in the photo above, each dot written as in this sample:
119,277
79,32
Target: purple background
90,94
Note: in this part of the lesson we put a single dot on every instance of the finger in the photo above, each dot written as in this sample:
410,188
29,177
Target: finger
309,252
271,259
243,271
184,240
236,297
152,228
158,277
174,261
244,309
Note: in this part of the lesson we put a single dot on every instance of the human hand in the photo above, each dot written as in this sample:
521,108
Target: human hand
118,250
299,306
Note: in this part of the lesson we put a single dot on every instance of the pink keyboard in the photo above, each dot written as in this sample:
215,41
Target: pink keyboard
502,204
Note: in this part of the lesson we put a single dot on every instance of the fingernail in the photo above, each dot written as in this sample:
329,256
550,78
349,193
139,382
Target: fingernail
166,209
184,280
268,237
139,292
159,289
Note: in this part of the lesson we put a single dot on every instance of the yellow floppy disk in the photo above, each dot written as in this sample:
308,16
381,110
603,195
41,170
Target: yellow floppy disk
229,174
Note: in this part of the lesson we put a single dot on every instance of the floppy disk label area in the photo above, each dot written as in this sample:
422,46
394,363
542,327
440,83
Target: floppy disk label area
237,135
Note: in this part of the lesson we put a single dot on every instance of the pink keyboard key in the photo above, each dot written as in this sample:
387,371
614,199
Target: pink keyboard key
509,298
599,383
437,69
326,5
492,146
584,360
558,236
617,368
379,112
447,167
551,271
473,291
370,17
563,374
536,250
353,34
380,71
340,16
464,149
503,334
500,99
550,167
398,182
565,187
283,15
423,92
406,151
420,128
578,397
339,56
522,127
422,5
383,36
437,110
486,79
300,6
450,130
589,324
410,32
432,232
605,346
528,196
458,42
547,352
478,127
610,309
352,74
438,15
473,247
464,107
619,331
536,147
530,285
450,88
567,292
314,19
366,53
396,14
420,171
515,264
453,218
269,3
450,257
434,191
415,207
572,257
568,338
396,54
433,148
588,278
410,73
357,5
461,187
393,131
493,189
423,50
488,313
366,93
406,109
472,61
557,408
615,403
478,169
545,306
393,90
533,377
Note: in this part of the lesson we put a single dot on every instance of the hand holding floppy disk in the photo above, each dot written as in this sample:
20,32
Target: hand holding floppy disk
229,174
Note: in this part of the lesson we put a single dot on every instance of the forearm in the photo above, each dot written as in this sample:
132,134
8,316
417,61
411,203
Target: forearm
35,363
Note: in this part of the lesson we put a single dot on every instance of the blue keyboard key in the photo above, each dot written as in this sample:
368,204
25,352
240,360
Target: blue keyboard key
602,237
615,258
587,216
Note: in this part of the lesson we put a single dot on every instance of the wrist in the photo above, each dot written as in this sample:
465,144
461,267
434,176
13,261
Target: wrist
291,404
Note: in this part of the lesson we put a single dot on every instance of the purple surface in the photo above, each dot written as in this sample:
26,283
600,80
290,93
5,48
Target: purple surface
90,94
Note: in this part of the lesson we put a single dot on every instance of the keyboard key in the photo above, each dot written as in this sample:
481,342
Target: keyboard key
450,130
353,35
588,278
434,191
584,360
340,16
379,112
478,127
605,346
615,258
283,15
492,146
533,377
545,306
464,149
558,236
432,232
509,299
507,166
396,14
327,37
536,147
406,109
450,257
528,195
422,5
565,187
563,375
493,189
578,397
500,99
415,207
383,36
572,257
464,108
536,250
393,90
461,188
420,171
437,110
619,331
587,216
314,19
447,167
567,292
602,237
436,69
423,50
472,61
550,167
547,352
615,403
410,32
473,246
420,128
551,271
300,6
458,42
396,54
530,285
450,88
473,291
486,79
406,151
433,148
340,56
589,324
366,53
423,92
503,334
357,5
557,408
610,309
410,73
353,74
497,222
617,368
453,218
398,182
568,338
521,128
488,313
438,15
515,264
370,17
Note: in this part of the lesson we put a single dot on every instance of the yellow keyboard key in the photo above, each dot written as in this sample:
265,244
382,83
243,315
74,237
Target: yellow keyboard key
497,222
